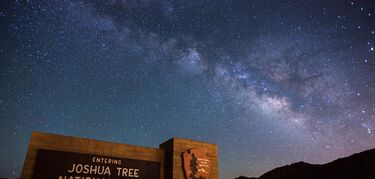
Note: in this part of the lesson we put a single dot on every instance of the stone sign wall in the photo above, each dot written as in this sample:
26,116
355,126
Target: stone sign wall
52,156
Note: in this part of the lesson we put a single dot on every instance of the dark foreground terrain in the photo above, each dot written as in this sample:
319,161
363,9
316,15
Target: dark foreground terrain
357,166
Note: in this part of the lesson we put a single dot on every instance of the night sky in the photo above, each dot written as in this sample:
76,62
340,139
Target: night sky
271,82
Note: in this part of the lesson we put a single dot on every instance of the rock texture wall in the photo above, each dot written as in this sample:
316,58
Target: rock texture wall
169,155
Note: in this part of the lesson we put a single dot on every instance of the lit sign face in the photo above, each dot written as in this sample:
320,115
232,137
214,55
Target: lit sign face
67,165
196,164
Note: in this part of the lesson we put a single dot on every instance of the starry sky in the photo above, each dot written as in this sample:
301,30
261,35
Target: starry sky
271,82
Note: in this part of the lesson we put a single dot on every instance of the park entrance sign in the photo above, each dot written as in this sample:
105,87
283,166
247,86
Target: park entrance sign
52,156
65,165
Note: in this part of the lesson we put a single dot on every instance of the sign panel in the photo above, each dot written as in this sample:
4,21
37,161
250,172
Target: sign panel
68,165
196,164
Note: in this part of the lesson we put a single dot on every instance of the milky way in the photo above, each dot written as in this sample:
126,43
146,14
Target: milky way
271,82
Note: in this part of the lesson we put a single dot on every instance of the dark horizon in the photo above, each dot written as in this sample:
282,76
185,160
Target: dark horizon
271,82
359,165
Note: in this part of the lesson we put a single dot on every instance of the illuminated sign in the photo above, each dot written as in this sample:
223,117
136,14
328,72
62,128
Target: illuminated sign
196,164
67,165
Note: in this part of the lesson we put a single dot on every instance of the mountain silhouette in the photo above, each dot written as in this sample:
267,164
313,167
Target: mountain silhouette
357,166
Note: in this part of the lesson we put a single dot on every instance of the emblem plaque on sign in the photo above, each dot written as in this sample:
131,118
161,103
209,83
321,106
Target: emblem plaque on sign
196,164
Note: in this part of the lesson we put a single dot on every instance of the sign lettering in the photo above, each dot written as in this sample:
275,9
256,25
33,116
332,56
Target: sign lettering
68,165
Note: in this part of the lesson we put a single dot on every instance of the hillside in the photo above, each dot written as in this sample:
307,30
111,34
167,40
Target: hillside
358,166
